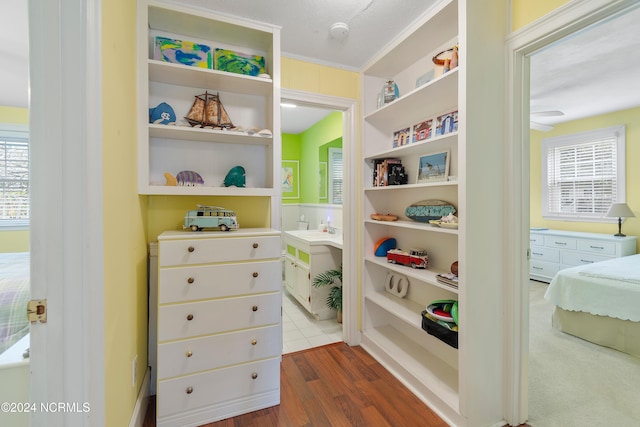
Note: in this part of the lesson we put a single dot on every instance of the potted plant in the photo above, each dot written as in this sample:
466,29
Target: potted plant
332,278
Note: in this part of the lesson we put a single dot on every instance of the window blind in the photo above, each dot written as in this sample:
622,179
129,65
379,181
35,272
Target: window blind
582,178
14,179
335,176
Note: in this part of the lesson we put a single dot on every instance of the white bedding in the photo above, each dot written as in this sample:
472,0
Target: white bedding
608,288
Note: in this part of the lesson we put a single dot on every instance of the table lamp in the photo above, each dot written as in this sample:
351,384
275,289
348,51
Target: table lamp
620,210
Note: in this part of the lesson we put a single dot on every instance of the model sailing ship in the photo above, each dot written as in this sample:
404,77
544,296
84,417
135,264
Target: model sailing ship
208,111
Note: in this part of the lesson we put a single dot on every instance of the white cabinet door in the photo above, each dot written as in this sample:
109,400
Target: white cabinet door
303,284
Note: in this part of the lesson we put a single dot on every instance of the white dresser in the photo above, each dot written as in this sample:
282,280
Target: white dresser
554,250
219,325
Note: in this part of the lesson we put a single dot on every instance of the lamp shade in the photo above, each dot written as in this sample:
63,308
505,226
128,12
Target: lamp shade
620,210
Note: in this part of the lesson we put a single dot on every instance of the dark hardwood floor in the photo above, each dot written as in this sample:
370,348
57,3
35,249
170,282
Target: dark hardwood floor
334,385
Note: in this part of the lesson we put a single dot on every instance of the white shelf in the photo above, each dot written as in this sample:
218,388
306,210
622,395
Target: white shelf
412,225
414,364
208,191
433,144
213,80
412,186
437,27
418,104
206,135
424,275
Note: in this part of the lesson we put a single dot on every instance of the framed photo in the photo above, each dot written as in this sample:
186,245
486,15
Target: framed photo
447,123
423,130
290,177
322,181
401,137
433,167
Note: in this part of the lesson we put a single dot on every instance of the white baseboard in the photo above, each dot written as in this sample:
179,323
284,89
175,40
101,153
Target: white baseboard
142,402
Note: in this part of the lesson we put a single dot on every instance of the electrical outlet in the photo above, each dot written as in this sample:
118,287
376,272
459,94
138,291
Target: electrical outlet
134,371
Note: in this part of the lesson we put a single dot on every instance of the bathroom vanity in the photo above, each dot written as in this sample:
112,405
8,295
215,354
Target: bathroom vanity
307,254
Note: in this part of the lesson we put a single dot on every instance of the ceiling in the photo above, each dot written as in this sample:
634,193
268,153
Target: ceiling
585,74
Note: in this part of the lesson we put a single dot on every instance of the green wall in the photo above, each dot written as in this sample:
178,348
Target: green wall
309,148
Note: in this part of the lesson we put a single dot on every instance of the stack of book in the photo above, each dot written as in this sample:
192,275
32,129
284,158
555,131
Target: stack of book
388,172
448,279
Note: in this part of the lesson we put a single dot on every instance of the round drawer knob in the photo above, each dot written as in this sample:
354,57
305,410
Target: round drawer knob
190,280
189,316
189,353
254,375
254,308
254,342
189,390
191,249
255,274
255,246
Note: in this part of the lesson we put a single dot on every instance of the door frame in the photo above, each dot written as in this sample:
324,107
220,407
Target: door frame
570,18
347,106
66,227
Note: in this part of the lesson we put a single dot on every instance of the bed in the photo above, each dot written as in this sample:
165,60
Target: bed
14,295
600,303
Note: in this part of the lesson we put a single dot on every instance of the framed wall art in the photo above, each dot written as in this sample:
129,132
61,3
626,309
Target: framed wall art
290,179
433,167
322,181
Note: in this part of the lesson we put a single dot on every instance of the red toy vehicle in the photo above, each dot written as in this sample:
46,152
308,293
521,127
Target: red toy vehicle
415,258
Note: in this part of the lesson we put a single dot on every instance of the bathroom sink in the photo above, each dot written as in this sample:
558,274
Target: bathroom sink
315,236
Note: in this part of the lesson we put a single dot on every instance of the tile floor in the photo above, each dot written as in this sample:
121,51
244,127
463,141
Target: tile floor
301,331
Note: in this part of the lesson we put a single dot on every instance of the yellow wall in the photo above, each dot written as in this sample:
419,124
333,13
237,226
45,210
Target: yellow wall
309,77
14,240
631,226
524,12
125,224
14,115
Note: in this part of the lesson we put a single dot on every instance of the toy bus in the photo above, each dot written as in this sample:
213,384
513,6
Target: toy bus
415,258
210,217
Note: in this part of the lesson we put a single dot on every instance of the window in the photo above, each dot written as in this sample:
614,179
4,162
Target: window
335,176
583,174
14,176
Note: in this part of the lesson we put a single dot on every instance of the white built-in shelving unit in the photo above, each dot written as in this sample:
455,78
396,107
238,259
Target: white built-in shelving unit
441,375
251,102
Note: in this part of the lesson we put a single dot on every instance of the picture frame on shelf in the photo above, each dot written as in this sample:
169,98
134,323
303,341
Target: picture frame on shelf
447,123
322,181
401,137
422,131
433,167
290,179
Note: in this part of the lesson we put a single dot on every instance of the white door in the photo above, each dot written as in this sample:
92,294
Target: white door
67,352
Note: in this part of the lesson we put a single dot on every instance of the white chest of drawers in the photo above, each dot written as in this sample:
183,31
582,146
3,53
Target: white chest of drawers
219,325
554,250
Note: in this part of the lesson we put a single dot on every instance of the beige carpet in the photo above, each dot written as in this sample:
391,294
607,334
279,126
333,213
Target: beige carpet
573,382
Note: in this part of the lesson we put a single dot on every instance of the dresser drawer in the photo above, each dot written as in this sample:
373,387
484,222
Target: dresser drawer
206,353
560,242
597,247
215,316
217,387
577,258
217,281
543,268
536,239
545,254
202,251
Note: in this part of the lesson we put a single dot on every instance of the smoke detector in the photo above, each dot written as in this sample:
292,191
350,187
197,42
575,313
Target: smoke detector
339,31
